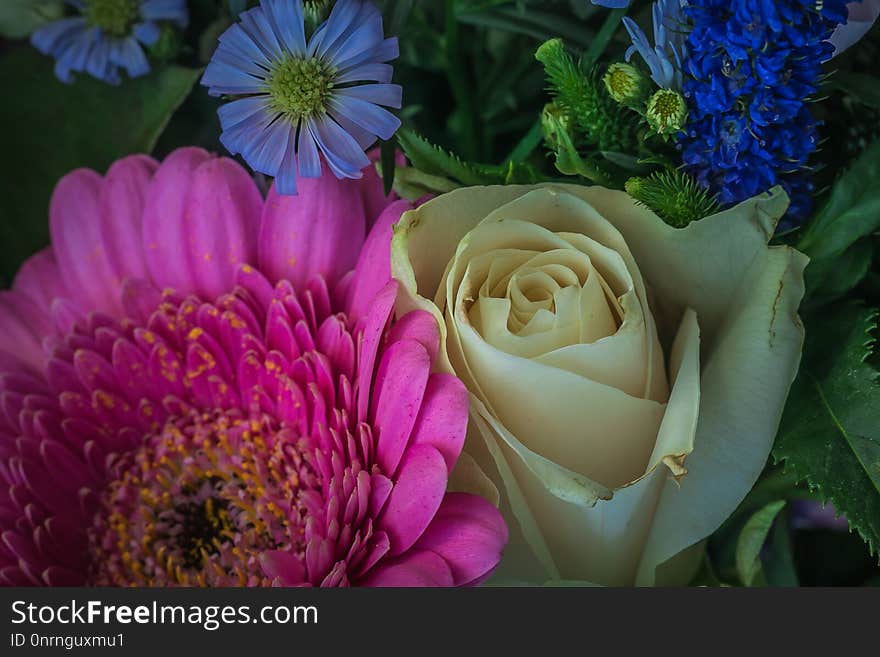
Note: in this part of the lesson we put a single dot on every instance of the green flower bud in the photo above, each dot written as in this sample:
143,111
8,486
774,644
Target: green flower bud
676,197
667,112
556,124
625,83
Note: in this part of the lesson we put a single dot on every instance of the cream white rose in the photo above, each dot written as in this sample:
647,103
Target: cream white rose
626,378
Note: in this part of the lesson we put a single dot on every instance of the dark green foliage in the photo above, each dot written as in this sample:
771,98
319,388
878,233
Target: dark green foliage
596,119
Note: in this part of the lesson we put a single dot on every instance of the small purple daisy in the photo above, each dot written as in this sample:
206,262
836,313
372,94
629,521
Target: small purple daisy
107,36
304,98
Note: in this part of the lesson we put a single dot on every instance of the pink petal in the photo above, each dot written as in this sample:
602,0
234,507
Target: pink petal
415,498
443,417
165,232
418,325
380,489
284,567
400,385
373,270
221,223
22,548
23,325
122,200
371,329
417,568
57,576
140,299
76,231
469,533
318,232
39,279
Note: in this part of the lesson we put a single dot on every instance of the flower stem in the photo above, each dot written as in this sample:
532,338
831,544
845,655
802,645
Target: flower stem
606,32
527,144
457,74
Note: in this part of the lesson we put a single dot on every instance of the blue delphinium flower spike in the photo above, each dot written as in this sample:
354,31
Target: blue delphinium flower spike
305,98
665,58
752,68
107,36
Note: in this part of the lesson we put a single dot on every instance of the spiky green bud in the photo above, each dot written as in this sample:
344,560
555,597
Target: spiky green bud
625,84
676,197
596,120
667,112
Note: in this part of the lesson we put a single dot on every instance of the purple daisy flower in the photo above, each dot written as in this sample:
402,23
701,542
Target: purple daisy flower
107,36
305,97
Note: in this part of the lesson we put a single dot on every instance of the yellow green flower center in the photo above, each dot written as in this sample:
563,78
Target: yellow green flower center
623,82
115,17
300,88
667,111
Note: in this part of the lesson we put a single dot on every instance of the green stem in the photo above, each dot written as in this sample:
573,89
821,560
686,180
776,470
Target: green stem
606,32
457,74
527,144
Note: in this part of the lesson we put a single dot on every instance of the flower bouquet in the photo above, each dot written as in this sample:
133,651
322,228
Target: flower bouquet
449,293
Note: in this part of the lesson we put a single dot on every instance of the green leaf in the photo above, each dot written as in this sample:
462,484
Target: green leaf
864,88
435,161
236,6
411,183
18,18
828,279
851,212
625,161
779,567
830,430
606,32
751,540
529,142
533,23
706,575
50,128
388,152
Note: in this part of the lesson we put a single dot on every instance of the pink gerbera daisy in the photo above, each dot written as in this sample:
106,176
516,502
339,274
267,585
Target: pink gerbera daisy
200,387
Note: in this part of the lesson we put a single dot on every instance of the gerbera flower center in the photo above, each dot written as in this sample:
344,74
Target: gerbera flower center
300,88
199,503
115,17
